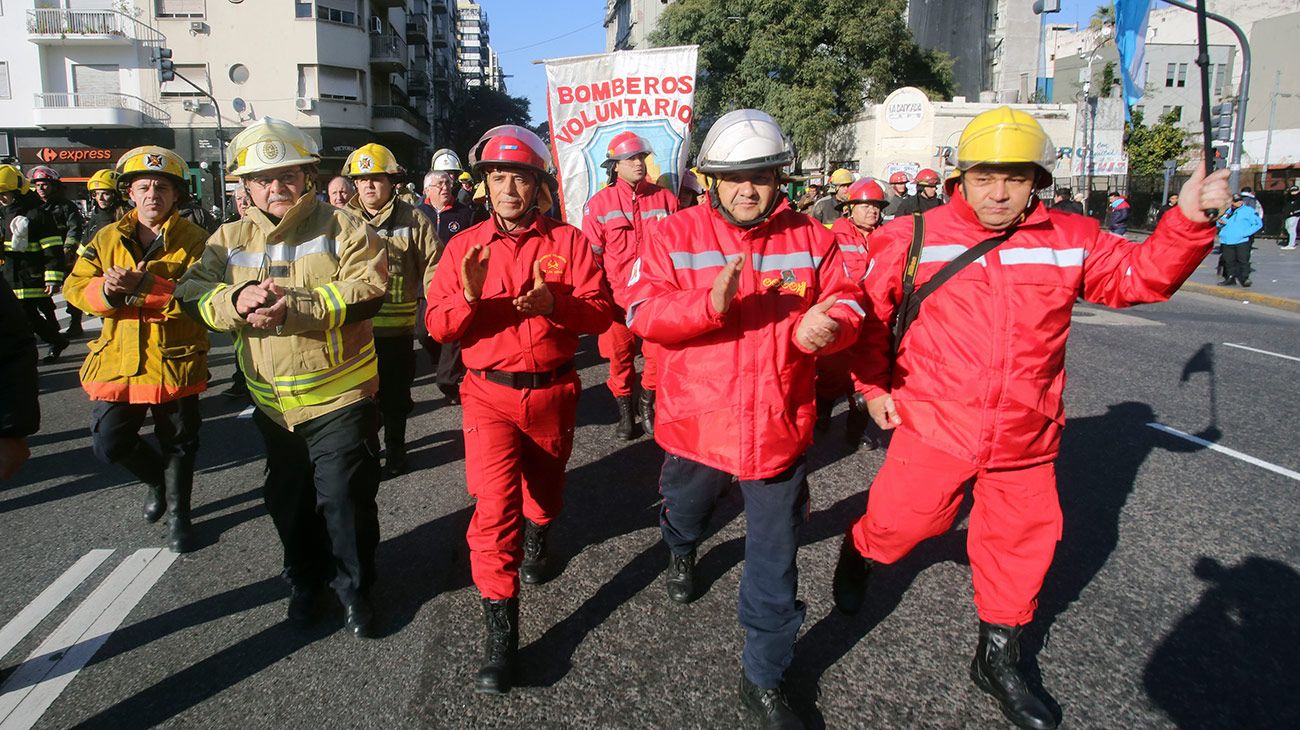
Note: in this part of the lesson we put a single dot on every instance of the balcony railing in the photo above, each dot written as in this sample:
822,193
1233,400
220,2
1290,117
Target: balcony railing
417,83
417,26
389,111
149,113
63,23
388,50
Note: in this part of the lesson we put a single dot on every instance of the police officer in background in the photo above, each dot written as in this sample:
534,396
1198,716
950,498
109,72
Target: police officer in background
742,295
151,358
412,248
517,291
297,281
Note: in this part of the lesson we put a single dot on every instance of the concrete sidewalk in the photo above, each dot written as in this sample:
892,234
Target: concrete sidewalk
1274,283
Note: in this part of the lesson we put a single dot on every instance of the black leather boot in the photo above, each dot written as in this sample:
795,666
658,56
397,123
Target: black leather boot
74,324
535,567
994,671
768,706
860,431
394,447
359,617
301,611
179,478
680,579
825,406
626,428
852,571
146,465
646,404
501,621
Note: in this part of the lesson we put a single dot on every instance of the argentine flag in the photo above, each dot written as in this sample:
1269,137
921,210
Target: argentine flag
1131,39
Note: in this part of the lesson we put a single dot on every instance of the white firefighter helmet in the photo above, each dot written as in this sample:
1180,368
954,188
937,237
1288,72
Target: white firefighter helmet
444,160
744,139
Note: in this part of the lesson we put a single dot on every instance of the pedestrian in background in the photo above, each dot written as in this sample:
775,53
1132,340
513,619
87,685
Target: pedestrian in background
1117,217
339,191
450,217
1062,201
68,221
296,281
20,409
1292,213
742,296
1237,228
826,209
32,249
151,359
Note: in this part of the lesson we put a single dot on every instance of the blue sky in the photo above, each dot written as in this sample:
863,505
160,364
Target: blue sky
525,30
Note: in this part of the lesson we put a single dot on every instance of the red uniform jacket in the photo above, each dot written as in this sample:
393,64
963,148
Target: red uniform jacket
617,220
493,334
736,390
981,371
853,246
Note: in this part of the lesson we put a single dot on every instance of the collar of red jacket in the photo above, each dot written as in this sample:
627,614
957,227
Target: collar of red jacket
1037,213
541,225
644,187
782,205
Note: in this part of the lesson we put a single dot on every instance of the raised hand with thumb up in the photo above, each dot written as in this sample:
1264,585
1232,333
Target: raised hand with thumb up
816,328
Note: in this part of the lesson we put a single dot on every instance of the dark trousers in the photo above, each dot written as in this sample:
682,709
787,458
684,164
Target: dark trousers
1234,260
396,373
43,319
115,432
775,509
448,369
321,483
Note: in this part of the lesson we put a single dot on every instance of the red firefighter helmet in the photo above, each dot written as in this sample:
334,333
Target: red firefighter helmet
626,145
510,145
898,177
43,173
927,177
865,190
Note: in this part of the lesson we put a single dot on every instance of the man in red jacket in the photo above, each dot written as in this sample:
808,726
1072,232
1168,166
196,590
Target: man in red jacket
516,291
975,389
740,296
618,220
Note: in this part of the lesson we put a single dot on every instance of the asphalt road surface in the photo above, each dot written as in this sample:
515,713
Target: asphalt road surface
1172,601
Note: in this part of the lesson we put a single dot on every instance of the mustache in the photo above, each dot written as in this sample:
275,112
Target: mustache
279,198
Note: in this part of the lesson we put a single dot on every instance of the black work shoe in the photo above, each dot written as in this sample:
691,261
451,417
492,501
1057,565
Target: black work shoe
680,579
646,405
849,587
395,463
535,567
1227,282
768,706
238,389
56,349
359,618
1245,283
74,331
626,428
994,671
861,432
302,606
500,644
155,502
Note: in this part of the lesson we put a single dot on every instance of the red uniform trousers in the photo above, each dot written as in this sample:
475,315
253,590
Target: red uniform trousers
1014,525
517,444
618,345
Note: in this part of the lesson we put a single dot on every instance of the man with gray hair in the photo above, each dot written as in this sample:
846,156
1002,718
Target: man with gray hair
340,191
449,216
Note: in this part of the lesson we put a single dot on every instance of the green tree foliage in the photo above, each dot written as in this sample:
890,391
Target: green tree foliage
480,109
1103,15
1149,147
811,65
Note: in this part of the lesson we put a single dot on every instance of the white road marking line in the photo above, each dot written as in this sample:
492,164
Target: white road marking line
1262,352
38,682
49,599
1230,452
246,413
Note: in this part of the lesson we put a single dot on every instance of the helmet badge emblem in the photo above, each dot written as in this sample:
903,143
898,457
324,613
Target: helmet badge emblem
272,151
153,161
365,163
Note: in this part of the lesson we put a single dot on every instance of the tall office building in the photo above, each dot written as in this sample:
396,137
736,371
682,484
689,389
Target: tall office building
477,62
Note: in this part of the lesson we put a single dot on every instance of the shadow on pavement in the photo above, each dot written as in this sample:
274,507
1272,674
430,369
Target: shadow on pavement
1234,660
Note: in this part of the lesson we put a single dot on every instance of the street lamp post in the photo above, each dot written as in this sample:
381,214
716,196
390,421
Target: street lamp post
1272,112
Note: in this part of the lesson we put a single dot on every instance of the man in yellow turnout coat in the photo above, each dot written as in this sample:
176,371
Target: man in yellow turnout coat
411,247
150,357
297,281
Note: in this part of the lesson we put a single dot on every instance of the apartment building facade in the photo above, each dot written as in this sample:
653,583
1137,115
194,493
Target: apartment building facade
477,62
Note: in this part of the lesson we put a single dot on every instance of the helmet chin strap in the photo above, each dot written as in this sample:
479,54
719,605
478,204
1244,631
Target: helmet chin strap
716,202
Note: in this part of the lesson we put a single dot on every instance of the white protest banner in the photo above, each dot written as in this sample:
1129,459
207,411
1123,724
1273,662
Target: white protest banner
590,99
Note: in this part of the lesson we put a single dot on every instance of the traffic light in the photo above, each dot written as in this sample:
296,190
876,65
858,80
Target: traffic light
166,68
1221,121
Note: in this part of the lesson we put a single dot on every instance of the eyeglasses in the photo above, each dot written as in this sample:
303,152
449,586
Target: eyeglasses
286,178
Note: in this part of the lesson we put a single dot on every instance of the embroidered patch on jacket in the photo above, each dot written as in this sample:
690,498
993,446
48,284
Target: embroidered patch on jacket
553,264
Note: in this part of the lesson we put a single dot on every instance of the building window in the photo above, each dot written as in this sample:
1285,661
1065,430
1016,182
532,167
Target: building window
302,8
4,80
179,8
196,72
1164,111
331,82
338,12
1178,114
1182,75
1220,77
1170,70
1140,110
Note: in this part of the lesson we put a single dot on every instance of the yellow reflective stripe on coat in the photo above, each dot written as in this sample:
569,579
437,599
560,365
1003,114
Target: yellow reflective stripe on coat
206,309
51,242
335,308
311,389
30,293
395,314
53,276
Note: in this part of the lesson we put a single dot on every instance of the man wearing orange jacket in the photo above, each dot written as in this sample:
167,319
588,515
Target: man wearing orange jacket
618,220
151,357
741,295
975,390
516,291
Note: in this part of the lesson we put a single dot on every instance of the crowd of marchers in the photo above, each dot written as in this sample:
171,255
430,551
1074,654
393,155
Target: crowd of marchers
944,323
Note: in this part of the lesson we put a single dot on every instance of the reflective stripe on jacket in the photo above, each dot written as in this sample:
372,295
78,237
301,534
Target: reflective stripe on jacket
327,261
149,351
981,371
617,220
853,246
412,247
736,390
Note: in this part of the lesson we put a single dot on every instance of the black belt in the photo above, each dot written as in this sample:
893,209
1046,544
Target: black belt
519,381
